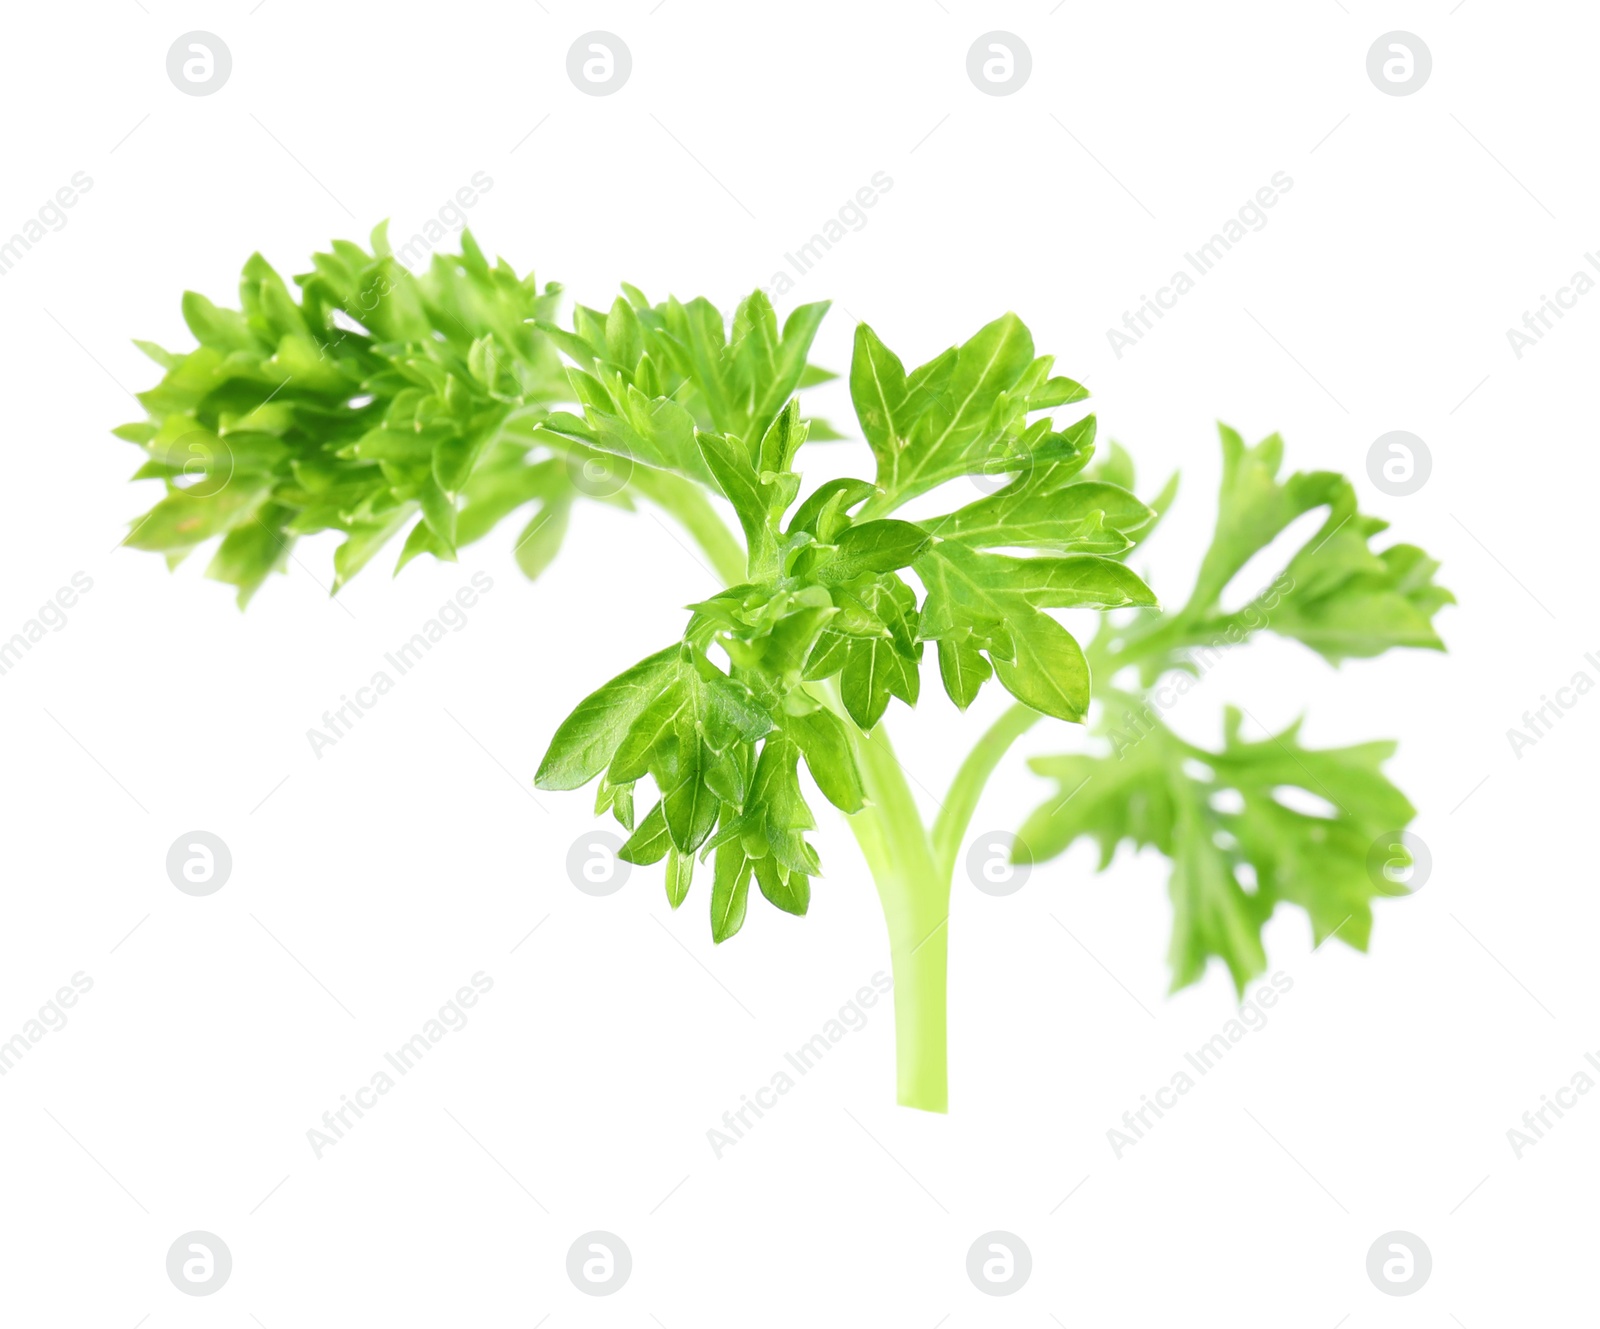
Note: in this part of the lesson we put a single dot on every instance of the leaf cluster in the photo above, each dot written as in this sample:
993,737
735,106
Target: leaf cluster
1237,848
804,656
1238,845
375,402
366,400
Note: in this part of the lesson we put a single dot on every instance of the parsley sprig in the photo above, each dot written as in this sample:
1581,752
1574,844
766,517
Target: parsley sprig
376,402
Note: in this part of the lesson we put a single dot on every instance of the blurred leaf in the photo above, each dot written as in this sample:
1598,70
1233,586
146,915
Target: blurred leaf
541,539
331,402
1230,869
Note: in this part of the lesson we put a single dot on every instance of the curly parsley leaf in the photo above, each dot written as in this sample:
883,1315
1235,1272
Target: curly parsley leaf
1238,848
828,615
648,377
376,400
951,416
1337,594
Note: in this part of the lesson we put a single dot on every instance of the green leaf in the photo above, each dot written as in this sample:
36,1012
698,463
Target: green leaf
872,546
1071,581
1343,601
439,512
364,541
650,843
680,871
166,359
775,823
1056,392
767,839
692,736
188,517
829,757
579,349
971,415
729,463
690,804
1211,912
540,540
1230,869
250,553
789,891
730,890
771,368
1337,594
699,329
872,644
780,441
1046,670
1254,507
885,405
503,485
588,738
1114,468
963,668
624,335
458,452
222,329
826,510
350,425
995,603
762,489
622,420
618,798
1088,517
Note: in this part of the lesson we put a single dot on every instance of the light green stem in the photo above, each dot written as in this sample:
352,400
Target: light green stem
950,825
916,905
912,872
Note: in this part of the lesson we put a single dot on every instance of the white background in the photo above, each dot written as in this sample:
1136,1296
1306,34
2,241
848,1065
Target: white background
415,853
